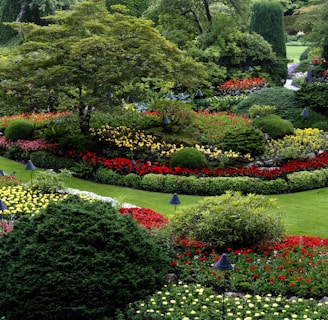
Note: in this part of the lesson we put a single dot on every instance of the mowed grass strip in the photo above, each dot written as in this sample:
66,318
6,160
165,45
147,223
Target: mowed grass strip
305,213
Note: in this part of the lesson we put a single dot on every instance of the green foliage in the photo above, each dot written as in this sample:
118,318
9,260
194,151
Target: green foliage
48,181
267,20
314,96
281,98
307,180
214,104
188,158
80,255
132,180
260,110
179,113
274,126
229,221
244,140
19,129
83,169
74,45
47,160
314,120
108,176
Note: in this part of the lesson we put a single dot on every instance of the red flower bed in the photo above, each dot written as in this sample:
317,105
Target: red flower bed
146,217
123,165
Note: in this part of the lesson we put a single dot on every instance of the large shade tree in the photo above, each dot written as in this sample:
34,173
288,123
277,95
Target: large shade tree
87,56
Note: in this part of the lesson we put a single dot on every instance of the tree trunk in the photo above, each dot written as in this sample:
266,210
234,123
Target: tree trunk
207,10
22,11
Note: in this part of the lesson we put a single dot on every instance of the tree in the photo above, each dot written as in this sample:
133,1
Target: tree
86,56
319,33
267,20
198,14
136,7
28,11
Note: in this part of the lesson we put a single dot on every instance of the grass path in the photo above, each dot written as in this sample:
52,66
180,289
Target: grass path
305,213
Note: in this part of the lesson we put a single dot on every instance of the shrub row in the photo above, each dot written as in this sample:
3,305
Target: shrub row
297,181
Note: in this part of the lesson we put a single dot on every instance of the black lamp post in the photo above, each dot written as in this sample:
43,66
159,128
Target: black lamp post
30,166
175,200
224,265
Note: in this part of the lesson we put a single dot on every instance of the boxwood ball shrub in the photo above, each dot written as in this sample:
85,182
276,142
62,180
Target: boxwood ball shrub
77,259
188,158
274,126
19,129
231,220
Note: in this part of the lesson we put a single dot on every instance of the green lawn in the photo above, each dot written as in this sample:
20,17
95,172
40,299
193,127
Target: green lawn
294,52
305,213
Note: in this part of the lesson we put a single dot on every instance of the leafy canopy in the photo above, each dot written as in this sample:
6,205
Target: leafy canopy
88,54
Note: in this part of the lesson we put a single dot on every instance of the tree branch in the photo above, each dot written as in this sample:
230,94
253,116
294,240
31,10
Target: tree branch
22,11
196,19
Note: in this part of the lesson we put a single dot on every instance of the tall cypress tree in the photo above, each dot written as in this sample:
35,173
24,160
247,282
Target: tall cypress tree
268,21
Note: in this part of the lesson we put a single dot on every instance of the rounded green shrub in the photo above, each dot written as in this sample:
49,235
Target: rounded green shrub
274,126
188,157
19,129
244,140
231,220
281,98
77,259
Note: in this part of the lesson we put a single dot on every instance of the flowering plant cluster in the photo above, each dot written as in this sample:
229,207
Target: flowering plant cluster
295,266
196,302
213,126
37,118
238,87
146,217
317,61
27,145
134,142
297,146
125,166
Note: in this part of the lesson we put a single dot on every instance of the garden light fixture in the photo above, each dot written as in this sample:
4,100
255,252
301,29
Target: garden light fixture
166,120
175,200
304,113
30,166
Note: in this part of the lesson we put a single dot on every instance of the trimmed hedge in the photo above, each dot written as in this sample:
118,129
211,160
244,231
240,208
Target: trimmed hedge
211,186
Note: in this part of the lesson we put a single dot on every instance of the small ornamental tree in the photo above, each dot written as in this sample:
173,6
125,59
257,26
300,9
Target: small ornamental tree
78,259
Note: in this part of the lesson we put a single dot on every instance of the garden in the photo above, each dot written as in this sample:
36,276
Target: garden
107,112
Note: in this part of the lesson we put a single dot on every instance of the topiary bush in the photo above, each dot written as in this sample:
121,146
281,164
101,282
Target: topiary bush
77,259
274,126
19,129
229,221
188,158
281,98
244,140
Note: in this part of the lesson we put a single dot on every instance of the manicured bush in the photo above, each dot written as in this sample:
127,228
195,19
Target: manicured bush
219,185
132,180
77,259
281,98
307,180
229,221
188,158
275,186
153,182
19,129
244,140
260,110
108,176
47,160
274,126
